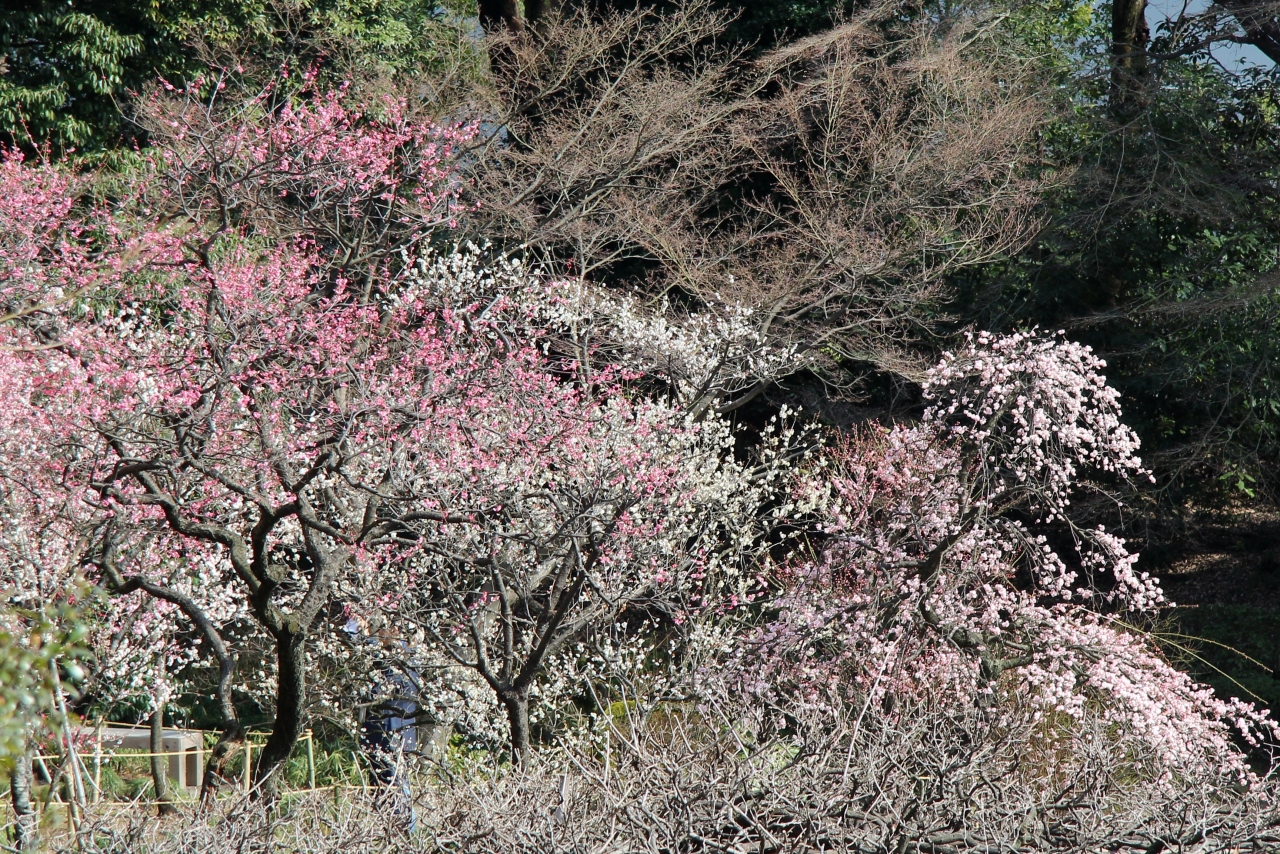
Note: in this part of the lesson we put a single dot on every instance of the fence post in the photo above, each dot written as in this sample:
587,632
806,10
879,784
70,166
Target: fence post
97,763
311,761
248,762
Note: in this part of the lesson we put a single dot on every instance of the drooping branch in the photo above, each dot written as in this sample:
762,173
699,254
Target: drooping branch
232,732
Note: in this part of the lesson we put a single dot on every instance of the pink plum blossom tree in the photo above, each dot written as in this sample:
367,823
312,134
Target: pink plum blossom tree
239,422
932,581
51,254
156,347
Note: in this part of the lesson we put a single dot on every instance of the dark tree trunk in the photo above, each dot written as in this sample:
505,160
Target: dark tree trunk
536,11
1129,37
501,21
159,776
516,704
501,15
25,830
232,738
215,769
291,689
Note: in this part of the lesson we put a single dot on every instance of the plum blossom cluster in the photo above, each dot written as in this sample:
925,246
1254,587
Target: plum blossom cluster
363,183
717,356
1042,403
59,246
553,514
930,585
42,249
709,357
542,509
48,530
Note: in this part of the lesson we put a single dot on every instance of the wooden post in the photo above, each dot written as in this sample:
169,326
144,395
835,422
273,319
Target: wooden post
97,763
248,762
311,761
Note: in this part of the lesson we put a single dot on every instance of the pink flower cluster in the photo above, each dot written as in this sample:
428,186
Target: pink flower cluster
931,584
216,408
364,184
178,356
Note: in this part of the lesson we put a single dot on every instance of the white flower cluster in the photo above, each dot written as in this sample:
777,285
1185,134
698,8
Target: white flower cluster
1038,411
709,355
705,356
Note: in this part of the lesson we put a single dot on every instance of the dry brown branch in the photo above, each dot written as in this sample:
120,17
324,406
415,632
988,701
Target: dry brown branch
894,160
736,777
832,185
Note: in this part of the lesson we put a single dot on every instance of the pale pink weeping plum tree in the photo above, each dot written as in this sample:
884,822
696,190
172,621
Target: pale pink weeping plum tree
932,583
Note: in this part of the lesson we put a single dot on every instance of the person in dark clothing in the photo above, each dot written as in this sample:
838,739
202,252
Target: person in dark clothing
388,729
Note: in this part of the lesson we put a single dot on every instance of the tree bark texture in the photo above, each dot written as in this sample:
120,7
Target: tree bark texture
291,688
215,770
159,764
159,772
1129,37
26,837
516,704
232,738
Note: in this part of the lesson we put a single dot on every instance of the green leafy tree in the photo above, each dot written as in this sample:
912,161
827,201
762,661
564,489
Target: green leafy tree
34,645
1159,249
71,66
68,63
